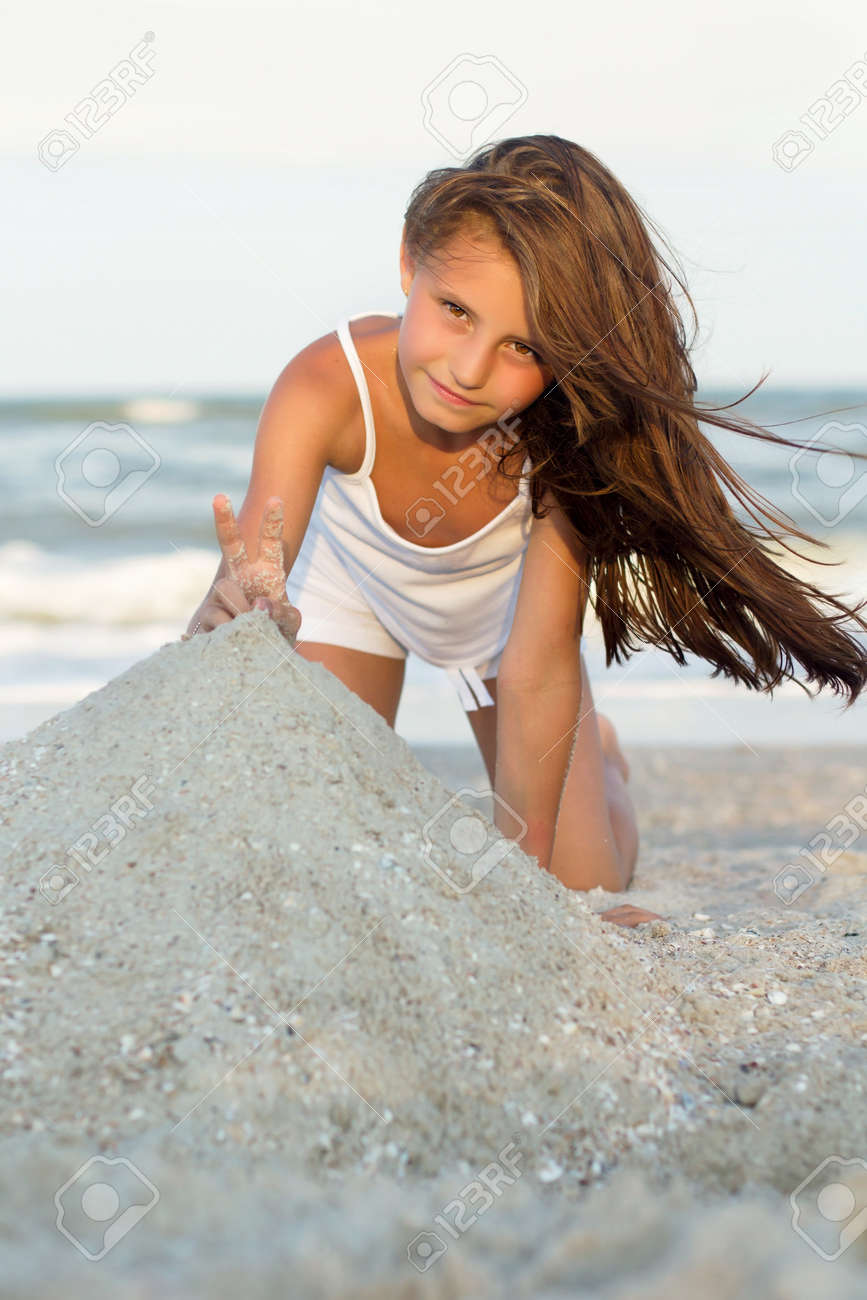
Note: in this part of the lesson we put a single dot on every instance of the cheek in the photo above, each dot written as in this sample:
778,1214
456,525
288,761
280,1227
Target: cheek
412,346
520,391
422,341
408,355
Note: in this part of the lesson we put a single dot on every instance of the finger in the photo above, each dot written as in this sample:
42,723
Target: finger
271,535
230,540
230,595
213,616
287,618
274,586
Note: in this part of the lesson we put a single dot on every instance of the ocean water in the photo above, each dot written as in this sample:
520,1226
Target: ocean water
103,559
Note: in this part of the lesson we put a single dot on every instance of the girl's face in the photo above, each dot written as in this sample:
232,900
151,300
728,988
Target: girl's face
465,328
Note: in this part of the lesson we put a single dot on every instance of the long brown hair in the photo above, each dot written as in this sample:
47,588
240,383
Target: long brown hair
616,438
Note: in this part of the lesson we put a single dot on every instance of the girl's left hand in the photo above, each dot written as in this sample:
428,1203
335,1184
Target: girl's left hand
626,914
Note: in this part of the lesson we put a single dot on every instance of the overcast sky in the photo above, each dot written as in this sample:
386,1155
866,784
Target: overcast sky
249,190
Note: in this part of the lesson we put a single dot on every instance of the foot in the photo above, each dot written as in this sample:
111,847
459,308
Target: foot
629,916
610,746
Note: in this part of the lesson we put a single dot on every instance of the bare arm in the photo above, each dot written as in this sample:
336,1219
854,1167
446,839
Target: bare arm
535,732
298,427
539,702
539,682
539,733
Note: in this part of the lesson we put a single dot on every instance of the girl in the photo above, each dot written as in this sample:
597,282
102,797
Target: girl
540,332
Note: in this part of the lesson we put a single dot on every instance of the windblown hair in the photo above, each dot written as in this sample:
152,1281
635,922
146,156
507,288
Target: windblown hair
616,439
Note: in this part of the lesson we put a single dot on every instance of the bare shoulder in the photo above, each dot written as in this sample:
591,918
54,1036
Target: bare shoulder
310,420
558,532
316,387
322,370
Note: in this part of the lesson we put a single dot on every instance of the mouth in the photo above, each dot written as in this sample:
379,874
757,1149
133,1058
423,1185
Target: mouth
447,395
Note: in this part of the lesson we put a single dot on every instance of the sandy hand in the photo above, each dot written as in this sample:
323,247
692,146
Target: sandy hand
252,583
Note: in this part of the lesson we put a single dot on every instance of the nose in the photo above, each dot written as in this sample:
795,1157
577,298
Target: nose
468,367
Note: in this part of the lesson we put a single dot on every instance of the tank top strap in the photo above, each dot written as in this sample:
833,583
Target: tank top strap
355,365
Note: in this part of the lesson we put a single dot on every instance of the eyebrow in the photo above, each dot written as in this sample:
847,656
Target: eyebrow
530,343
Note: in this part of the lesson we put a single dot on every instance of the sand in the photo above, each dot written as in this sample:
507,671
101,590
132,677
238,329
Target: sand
324,1066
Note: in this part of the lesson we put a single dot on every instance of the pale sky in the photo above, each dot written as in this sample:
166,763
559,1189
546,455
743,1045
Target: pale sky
250,190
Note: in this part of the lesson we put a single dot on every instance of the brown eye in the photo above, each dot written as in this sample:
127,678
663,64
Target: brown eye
528,351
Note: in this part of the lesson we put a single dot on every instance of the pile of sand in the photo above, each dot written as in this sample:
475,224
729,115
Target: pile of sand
239,952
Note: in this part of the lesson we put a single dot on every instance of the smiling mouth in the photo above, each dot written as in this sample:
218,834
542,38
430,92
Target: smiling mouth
449,396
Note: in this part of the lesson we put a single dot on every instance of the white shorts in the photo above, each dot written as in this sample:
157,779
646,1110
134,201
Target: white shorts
334,609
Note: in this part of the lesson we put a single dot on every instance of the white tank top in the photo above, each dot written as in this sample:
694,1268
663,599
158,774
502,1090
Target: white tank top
451,605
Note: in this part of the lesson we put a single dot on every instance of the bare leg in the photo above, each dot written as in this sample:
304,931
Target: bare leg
596,839
619,824
611,745
377,679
